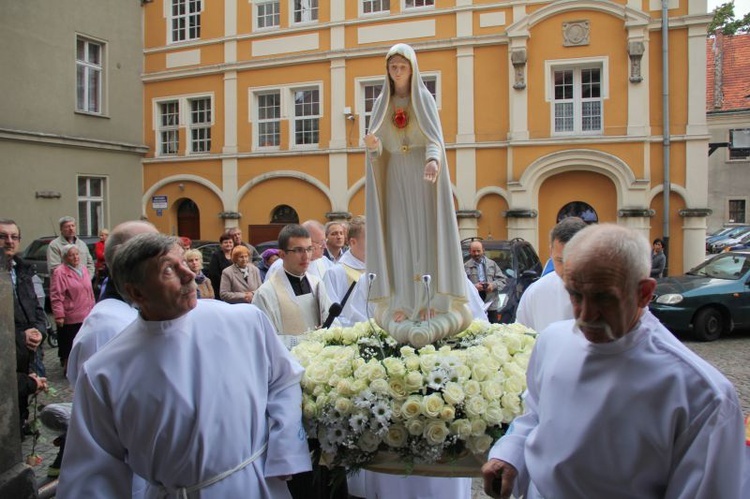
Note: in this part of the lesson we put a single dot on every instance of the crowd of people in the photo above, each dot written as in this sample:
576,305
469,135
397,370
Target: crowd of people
185,385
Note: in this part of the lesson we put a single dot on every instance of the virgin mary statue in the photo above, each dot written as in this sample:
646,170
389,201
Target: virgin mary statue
413,246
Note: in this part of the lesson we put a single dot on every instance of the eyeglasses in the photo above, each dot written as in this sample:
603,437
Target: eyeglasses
9,237
300,250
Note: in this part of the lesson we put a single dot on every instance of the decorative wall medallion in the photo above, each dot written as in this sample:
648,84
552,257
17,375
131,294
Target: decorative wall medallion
575,33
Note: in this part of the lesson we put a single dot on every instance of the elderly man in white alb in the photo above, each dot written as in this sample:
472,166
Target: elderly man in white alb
199,398
616,406
546,300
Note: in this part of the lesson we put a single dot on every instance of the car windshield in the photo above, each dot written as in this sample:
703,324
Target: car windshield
730,266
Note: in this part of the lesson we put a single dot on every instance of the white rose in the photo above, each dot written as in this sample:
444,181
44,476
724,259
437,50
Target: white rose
376,370
432,405
407,351
427,362
493,415
514,385
511,403
480,371
447,413
343,406
318,373
435,432
472,388
453,393
413,381
379,386
478,427
344,387
309,410
492,389
412,363
462,428
462,372
368,442
395,367
397,388
349,336
480,444
412,407
475,406
396,436
415,426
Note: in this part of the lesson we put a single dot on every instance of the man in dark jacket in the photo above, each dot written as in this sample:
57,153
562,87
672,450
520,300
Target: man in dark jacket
28,314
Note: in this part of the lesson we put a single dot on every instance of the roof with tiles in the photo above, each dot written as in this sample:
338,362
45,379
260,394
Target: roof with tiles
735,59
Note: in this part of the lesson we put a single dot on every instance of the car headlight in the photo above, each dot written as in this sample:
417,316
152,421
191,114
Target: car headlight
670,299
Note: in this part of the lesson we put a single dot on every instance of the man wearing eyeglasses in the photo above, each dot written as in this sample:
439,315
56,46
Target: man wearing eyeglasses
318,264
28,316
294,300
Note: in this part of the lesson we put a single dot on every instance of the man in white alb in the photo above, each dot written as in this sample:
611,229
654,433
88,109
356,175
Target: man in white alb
295,301
198,397
546,300
616,407
350,266
318,264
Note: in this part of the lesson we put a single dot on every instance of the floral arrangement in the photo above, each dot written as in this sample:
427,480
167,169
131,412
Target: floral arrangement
364,393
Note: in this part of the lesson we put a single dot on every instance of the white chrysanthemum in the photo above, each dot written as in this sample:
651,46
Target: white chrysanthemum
437,378
381,410
358,421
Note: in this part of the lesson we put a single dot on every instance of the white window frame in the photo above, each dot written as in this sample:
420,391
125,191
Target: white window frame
576,65
89,203
170,17
184,118
313,8
89,69
256,5
359,95
728,202
293,118
380,12
259,121
173,129
423,4
201,127
287,113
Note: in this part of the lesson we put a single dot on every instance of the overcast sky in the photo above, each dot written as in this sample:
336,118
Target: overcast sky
741,7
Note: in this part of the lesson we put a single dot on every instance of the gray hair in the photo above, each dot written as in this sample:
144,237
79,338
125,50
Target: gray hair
64,220
129,266
10,221
121,234
66,249
566,229
314,224
615,244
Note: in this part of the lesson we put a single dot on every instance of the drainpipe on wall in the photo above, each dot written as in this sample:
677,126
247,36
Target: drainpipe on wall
665,133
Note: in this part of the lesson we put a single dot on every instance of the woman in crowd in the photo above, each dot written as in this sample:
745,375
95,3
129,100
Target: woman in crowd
72,299
267,258
194,260
220,260
239,281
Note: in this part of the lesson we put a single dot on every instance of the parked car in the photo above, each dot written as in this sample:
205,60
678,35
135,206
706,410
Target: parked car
36,254
718,243
708,301
742,243
519,262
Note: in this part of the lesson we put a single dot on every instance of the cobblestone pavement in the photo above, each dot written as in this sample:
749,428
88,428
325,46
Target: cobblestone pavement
730,355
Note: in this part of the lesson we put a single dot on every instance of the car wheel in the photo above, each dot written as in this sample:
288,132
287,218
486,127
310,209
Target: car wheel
709,324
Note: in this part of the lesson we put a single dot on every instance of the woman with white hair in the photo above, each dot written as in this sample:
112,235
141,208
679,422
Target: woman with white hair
72,298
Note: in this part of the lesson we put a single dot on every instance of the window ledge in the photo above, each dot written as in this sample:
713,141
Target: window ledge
93,115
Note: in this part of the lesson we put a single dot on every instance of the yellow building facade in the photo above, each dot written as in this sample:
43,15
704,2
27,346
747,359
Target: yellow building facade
255,111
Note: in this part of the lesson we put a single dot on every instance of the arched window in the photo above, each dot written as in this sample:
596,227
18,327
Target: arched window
578,209
284,214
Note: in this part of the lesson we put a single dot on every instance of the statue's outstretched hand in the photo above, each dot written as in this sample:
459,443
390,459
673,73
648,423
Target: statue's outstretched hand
372,142
431,171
